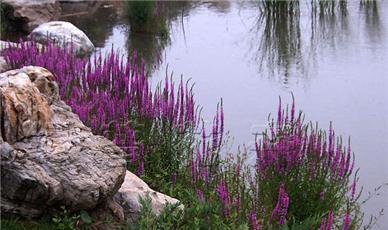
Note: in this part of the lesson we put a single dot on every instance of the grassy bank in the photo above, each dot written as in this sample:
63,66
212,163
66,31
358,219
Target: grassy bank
303,177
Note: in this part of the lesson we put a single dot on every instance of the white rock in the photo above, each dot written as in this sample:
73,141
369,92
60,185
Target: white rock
133,189
63,33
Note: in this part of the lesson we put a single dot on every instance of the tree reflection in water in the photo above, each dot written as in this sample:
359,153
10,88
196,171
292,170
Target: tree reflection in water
371,14
150,23
280,35
287,34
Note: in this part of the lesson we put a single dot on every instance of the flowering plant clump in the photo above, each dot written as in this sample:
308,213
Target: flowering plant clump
307,173
303,177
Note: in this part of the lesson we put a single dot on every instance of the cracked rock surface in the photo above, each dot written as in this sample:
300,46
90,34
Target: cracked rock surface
48,157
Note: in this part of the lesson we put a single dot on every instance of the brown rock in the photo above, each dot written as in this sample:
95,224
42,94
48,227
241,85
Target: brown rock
28,14
44,81
25,112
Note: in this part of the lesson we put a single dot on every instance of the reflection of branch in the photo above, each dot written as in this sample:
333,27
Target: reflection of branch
333,21
374,193
183,26
374,220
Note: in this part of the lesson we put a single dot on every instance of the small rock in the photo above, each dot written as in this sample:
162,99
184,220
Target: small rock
7,44
44,81
116,209
133,189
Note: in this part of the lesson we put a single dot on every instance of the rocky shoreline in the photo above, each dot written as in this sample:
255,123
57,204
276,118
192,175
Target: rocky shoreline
49,158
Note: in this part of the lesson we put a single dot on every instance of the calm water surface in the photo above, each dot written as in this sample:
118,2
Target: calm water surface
334,62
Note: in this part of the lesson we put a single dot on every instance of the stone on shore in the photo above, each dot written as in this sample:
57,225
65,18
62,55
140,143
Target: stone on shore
26,15
132,190
48,157
63,33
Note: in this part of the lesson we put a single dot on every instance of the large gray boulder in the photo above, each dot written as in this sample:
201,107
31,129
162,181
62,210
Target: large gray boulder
28,14
48,157
63,33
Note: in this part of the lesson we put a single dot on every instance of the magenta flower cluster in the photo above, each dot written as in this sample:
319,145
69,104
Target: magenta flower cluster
280,211
328,222
223,193
293,154
290,143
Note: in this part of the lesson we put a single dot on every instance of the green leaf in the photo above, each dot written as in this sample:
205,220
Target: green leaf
243,227
85,217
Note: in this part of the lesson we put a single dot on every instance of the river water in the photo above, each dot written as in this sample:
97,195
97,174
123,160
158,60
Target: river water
334,61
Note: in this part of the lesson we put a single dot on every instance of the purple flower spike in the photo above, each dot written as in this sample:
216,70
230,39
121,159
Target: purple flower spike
280,212
347,222
254,222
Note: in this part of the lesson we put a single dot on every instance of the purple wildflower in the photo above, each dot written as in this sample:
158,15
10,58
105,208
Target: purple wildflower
254,222
223,194
200,195
328,223
280,211
347,222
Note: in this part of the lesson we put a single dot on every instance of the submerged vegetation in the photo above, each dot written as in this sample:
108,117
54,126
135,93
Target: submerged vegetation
303,177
